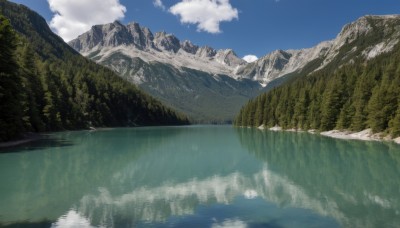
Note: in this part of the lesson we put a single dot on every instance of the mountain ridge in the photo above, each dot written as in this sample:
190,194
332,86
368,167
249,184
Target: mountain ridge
116,35
263,69
113,49
225,61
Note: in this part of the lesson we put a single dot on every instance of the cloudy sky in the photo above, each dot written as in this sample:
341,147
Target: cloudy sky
251,27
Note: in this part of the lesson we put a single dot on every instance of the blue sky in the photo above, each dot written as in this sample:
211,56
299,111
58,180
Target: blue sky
247,26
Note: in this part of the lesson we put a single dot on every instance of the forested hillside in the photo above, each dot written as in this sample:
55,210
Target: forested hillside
355,96
46,86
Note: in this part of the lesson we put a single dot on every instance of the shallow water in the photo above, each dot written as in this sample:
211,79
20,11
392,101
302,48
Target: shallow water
199,176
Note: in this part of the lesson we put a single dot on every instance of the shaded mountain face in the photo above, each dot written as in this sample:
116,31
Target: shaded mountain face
120,46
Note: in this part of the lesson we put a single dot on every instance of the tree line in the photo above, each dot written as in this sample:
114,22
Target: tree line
45,89
355,96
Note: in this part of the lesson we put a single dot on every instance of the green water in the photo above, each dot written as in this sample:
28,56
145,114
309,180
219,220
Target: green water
199,176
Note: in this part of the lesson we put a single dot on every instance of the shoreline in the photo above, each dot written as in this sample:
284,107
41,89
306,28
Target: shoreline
31,136
364,135
26,139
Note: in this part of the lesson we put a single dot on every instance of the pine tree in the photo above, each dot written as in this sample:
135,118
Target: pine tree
395,123
300,109
10,84
332,103
33,90
345,116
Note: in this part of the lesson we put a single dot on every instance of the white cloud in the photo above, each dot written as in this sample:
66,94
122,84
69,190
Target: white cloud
207,14
159,4
250,58
74,17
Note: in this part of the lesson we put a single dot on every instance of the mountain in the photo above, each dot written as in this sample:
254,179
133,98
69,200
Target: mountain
132,40
355,86
195,80
206,83
279,63
48,86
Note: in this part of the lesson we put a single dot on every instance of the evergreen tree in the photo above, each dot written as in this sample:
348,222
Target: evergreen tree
45,85
354,97
10,84
32,90
332,103
395,124
345,116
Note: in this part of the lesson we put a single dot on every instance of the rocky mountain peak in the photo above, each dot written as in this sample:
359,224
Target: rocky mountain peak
189,47
280,54
229,57
110,35
364,25
168,42
276,60
390,25
114,28
148,33
206,52
142,37
353,30
115,34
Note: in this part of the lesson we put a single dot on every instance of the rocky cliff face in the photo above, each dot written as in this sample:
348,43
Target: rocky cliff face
136,41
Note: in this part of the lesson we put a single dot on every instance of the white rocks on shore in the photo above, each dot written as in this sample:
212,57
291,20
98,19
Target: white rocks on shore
276,128
365,135
261,127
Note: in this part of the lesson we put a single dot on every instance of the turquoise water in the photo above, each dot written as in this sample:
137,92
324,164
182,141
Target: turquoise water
199,176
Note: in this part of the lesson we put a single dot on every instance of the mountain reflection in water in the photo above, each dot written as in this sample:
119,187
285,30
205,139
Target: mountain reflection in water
204,176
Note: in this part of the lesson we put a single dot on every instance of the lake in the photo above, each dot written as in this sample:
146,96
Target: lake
199,176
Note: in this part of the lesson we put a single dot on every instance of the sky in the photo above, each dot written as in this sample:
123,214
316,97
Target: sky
252,28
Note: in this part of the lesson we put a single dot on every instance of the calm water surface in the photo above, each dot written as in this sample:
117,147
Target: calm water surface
199,176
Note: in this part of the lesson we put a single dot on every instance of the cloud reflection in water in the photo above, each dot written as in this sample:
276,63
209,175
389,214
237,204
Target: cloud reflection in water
157,204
